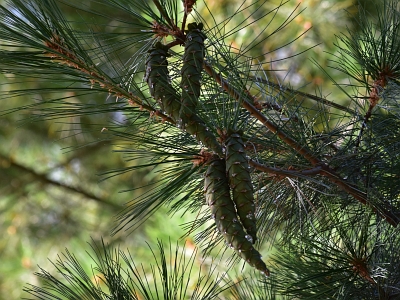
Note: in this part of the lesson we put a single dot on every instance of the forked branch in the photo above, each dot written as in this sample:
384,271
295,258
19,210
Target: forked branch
325,169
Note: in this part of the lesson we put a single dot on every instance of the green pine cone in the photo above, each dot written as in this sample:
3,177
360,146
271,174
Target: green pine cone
240,182
166,96
191,70
223,211
196,127
157,78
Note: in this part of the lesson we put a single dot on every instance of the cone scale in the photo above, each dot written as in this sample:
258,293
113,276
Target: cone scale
223,211
237,168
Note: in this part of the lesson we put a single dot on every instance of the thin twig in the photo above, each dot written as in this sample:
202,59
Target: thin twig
174,43
325,171
306,95
386,213
286,173
373,100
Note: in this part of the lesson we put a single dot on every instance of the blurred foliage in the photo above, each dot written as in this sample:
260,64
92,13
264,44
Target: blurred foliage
50,194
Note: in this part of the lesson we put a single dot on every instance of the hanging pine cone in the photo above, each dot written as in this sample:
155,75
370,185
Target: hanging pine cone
237,167
191,70
223,211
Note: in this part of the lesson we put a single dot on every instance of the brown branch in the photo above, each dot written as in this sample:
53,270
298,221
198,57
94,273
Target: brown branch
386,213
306,95
286,173
373,100
188,7
319,170
184,21
44,179
325,171
174,43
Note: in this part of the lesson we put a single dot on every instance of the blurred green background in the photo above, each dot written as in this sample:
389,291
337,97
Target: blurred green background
51,196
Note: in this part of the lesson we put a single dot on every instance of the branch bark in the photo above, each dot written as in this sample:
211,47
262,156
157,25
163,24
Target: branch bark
387,213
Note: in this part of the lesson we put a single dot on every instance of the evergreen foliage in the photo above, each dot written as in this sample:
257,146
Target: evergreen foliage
315,181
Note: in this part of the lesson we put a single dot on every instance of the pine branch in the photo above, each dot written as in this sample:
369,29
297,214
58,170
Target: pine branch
327,171
117,274
387,213
164,14
60,52
326,250
45,180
